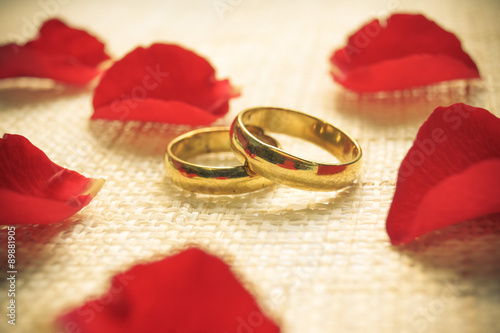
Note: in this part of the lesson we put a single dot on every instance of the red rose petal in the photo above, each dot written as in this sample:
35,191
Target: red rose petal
450,174
59,52
188,292
172,112
409,51
162,83
34,190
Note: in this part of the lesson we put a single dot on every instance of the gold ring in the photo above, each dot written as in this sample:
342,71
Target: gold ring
281,167
206,179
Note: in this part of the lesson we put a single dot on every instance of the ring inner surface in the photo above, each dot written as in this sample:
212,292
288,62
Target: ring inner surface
305,127
214,141
201,143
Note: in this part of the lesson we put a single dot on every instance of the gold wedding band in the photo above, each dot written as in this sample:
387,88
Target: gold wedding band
207,179
281,167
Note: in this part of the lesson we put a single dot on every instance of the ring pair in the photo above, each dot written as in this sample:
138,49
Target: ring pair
264,162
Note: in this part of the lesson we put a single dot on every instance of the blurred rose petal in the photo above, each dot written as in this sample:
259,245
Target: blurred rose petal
188,292
162,83
450,174
409,51
34,190
59,52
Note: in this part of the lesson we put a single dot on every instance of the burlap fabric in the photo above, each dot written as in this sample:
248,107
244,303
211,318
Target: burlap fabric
317,262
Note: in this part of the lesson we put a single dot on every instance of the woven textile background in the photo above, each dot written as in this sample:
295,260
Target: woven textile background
317,262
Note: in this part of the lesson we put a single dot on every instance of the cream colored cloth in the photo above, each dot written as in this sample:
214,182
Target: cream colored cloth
317,262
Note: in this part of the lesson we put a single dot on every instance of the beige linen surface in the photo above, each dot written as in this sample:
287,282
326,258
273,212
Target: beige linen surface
317,262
